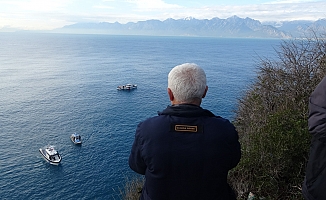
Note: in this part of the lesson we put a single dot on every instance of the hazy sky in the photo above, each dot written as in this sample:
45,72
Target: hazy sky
50,14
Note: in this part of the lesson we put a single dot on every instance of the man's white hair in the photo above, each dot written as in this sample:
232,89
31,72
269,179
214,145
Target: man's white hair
187,82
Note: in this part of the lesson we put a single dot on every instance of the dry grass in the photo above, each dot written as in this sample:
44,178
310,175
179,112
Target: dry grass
132,188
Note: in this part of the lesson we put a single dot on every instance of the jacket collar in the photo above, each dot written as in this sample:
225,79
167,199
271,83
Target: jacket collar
186,110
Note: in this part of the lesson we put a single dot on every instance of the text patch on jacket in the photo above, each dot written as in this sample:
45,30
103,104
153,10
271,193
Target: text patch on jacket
186,128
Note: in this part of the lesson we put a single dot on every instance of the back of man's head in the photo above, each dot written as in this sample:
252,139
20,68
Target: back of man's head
187,82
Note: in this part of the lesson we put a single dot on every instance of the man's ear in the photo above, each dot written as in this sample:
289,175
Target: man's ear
205,91
171,96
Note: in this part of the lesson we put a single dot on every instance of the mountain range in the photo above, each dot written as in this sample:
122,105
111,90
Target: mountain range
231,27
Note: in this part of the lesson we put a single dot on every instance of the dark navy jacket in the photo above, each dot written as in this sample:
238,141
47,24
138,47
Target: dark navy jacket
185,153
314,186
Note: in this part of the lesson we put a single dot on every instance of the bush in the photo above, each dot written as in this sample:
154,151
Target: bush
272,121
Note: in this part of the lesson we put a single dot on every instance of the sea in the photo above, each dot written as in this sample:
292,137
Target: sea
53,85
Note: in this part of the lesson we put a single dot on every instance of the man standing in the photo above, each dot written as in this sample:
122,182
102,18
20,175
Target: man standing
315,180
186,151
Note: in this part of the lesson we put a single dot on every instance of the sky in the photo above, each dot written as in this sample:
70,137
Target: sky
51,14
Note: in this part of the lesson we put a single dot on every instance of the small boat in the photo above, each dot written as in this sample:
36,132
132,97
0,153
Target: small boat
76,138
50,154
127,87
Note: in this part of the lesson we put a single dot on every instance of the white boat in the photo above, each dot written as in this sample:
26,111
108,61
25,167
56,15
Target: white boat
127,87
76,138
50,154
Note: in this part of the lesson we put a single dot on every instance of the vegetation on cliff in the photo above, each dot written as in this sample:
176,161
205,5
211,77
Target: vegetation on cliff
272,121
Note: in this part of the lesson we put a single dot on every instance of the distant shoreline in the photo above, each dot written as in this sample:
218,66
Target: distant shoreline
232,27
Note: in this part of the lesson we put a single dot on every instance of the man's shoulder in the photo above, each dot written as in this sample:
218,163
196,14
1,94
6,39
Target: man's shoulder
153,119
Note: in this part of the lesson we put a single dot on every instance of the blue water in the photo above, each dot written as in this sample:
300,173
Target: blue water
52,85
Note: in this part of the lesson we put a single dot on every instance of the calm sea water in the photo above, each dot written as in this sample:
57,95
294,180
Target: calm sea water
52,85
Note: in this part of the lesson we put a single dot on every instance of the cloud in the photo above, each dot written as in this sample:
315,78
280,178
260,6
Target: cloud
290,1
33,14
150,5
104,7
298,10
36,5
277,10
40,14
273,11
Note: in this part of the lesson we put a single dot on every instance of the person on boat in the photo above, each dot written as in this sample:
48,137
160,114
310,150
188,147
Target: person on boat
186,151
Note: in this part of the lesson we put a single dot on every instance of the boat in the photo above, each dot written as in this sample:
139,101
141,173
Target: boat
50,154
76,138
128,86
